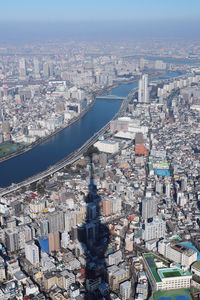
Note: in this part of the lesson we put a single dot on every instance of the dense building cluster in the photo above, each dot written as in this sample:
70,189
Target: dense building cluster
121,222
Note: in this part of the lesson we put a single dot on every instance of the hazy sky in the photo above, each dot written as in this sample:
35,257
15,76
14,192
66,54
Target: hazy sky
97,10
98,19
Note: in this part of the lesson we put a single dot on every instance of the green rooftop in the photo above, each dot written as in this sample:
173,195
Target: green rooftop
160,273
152,266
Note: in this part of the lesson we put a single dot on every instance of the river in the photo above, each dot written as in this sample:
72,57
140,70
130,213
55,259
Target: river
63,143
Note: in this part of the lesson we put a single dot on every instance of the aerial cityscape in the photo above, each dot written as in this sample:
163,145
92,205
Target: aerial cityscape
100,150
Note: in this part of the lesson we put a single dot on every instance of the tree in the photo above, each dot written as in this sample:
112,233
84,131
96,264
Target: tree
91,150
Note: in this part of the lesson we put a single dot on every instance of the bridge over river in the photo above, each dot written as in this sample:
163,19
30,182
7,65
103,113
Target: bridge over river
110,97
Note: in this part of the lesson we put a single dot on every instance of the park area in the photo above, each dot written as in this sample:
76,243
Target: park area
8,148
183,294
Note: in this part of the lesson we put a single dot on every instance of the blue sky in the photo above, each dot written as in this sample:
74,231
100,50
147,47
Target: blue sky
98,10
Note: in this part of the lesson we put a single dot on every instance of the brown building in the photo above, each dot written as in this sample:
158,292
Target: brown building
106,207
54,242
140,149
49,280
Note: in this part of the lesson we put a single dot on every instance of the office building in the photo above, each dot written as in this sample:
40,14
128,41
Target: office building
44,227
70,220
32,253
44,243
46,71
56,222
22,69
11,239
149,208
54,242
106,207
65,241
154,230
36,68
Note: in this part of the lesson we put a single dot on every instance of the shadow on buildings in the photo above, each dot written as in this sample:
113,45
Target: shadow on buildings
94,238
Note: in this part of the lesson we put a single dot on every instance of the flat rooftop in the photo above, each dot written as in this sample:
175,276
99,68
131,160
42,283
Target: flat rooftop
161,273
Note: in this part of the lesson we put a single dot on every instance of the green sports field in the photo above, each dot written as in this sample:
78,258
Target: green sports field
171,274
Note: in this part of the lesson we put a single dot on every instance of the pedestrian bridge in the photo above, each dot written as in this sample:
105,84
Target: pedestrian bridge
110,97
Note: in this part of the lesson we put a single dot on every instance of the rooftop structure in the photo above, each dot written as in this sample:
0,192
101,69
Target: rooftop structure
164,277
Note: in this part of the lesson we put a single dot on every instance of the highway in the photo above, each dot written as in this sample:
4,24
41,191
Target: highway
71,158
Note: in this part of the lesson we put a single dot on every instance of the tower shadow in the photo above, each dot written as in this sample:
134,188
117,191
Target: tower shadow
94,237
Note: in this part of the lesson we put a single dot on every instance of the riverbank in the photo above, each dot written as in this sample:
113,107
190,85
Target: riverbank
56,149
72,121
42,140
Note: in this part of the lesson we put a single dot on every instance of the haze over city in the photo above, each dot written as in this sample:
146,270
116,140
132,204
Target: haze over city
35,20
100,150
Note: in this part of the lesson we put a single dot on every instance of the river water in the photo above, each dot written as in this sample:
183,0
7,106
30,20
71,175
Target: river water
63,143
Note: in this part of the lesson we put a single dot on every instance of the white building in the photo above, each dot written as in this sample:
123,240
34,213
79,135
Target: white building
65,239
143,92
149,207
154,230
2,270
107,146
178,253
68,279
115,258
125,290
163,277
32,253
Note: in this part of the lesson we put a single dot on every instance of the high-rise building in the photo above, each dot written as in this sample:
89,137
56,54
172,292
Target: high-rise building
154,230
149,208
32,253
54,242
46,71
125,289
36,68
44,243
106,207
11,239
65,239
143,91
116,205
56,222
44,227
70,220
22,69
